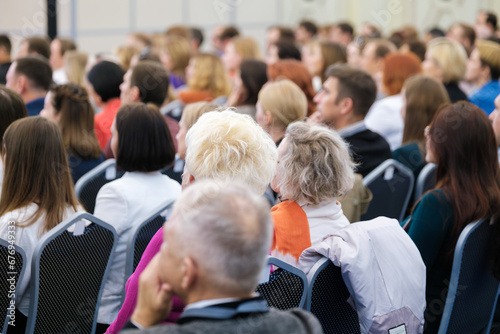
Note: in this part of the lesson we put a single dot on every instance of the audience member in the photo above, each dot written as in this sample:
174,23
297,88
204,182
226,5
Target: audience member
306,32
486,24
34,46
5,58
296,72
237,229
446,60
280,104
416,46
248,82
342,33
197,39
463,34
318,56
343,103
175,55
372,60
138,40
206,79
278,33
69,107
103,84
314,170
282,49
483,71
125,53
178,30
36,197
370,31
142,146
384,116
465,192
227,34
58,47
433,33
75,63
237,50
223,146
31,78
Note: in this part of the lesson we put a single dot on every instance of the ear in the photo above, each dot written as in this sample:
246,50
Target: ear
135,94
346,105
190,273
22,84
268,118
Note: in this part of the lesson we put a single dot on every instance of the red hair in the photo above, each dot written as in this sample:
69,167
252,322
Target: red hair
397,68
296,72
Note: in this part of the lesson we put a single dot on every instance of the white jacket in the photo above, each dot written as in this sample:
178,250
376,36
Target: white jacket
383,271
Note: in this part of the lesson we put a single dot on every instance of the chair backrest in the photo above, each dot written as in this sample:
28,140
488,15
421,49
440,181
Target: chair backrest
12,260
286,287
327,297
87,187
391,184
68,272
142,233
426,180
473,291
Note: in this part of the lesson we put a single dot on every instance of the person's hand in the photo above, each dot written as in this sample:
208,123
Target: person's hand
154,300
315,118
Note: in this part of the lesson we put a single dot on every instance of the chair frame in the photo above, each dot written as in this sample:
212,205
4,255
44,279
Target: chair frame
455,277
428,169
22,253
374,174
35,264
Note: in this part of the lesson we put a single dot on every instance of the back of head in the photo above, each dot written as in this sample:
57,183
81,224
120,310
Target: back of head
288,50
12,108
226,229
38,71
106,78
36,170
317,166
356,84
39,46
66,45
246,47
285,101
178,31
253,75
424,95
76,120
332,53
193,111
5,43
451,58
75,63
397,68
152,80
179,52
197,34
209,74
309,26
382,47
490,56
229,32
144,140
229,146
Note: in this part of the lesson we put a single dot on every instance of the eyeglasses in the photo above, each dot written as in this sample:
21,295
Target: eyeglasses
426,130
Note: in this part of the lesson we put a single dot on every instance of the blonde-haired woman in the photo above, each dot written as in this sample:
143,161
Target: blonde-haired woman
314,169
75,63
175,55
237,50
446,60
206,79
280,103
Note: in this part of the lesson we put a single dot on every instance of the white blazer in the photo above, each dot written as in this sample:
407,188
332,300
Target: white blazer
124,203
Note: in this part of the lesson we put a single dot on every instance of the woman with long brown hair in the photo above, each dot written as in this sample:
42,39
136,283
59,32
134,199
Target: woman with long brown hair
460,140
69,107
37,192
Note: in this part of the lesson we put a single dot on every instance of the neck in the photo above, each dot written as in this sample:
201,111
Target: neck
276,134
5,59
30,96
346,121
483,81
209,293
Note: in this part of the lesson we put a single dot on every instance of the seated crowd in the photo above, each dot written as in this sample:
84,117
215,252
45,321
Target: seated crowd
272,152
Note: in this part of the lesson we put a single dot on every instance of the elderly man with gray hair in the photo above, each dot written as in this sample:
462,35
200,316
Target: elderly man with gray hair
214,248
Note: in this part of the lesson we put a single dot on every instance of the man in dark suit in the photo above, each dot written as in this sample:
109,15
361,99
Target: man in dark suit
343,103
214,250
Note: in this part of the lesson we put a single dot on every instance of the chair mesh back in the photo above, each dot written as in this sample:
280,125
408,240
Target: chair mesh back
145,235
283,291
10,267
390,197
71,273
89,190
477,288
329,302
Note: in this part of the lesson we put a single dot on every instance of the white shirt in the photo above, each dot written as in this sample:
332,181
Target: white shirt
385,118
123,203
27,238
324,219
59,76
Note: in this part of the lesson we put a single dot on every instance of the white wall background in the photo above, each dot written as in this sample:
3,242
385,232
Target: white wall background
101,25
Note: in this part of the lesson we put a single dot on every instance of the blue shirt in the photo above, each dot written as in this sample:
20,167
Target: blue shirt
485,97
35,106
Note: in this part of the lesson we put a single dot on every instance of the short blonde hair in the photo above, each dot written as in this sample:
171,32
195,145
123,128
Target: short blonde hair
450,56
179,50
285,101
317,166
226,145
75,63
246,47
125,53
209,74
193,111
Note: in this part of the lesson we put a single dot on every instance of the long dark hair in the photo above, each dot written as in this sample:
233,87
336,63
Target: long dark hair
468,172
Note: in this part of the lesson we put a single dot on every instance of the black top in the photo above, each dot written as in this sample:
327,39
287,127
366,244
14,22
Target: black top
455,93
3,72
369,149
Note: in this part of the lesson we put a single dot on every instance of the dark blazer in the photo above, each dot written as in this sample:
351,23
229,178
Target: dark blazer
455,93
369,149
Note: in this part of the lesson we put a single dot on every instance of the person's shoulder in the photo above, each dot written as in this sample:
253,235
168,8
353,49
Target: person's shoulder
296,321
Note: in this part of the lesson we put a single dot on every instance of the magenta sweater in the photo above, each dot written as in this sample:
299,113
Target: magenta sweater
133,284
